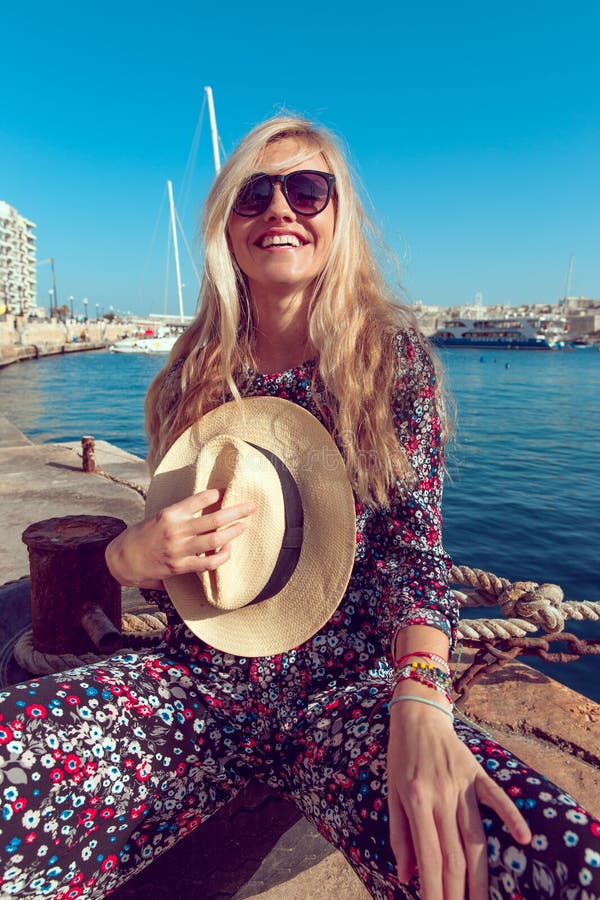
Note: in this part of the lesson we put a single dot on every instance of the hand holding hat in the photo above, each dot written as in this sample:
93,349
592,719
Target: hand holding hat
192,535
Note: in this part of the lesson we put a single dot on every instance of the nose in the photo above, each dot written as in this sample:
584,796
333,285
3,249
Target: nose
279,207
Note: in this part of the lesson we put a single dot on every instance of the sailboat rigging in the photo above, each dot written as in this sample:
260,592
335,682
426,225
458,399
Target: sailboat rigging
163,343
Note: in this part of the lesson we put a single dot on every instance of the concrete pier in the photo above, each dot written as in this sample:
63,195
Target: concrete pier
259,846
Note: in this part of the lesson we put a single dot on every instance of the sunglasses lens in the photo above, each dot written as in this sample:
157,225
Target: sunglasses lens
308,192
254,197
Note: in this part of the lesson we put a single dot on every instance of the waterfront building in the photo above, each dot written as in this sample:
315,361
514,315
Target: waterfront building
17,262
583,316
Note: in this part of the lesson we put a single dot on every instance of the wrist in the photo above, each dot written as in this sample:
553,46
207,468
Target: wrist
403,688
416,705
119,565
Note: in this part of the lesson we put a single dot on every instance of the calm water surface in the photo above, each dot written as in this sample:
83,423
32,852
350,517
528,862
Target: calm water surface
523,494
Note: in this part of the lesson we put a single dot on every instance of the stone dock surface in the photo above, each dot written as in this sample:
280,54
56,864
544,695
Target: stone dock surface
259,846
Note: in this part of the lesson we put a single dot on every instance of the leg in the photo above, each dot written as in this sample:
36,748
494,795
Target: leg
334,769
102,769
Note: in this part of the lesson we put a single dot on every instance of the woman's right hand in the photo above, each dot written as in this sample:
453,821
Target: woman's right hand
193,535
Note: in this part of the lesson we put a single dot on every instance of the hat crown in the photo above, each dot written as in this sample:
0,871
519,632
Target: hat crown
241,473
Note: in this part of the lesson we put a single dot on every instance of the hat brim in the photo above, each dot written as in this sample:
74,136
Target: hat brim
314,591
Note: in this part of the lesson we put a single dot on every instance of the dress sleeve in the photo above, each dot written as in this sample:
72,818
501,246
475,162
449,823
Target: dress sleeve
410,563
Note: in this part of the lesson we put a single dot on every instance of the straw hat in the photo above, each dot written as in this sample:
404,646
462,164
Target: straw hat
289,569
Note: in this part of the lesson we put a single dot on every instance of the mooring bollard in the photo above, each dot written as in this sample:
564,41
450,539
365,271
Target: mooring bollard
75,601
89,453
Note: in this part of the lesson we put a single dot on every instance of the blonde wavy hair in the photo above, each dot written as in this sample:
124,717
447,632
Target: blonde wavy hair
353,322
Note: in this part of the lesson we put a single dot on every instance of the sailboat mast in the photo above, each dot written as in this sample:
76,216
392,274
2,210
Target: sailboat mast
569,278
175,248
213,128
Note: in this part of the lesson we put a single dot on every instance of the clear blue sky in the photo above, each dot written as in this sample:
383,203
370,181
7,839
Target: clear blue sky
474,129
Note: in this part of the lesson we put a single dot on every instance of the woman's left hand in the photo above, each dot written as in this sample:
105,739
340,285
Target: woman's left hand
435,786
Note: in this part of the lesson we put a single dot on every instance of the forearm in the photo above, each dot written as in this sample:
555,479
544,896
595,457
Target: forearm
420,638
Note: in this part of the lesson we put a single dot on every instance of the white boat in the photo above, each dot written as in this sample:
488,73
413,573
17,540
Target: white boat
509,333
145,345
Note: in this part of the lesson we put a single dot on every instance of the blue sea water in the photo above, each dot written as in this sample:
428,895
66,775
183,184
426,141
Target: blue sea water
523,492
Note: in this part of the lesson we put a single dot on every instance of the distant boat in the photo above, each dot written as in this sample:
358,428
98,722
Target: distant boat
145,345
582,344
508,333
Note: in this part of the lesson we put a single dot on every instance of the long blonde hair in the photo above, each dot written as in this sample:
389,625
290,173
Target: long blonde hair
353,321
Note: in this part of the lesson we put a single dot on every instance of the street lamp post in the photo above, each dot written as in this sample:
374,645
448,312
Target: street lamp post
85,308
54,291
97,308
72,301
50,302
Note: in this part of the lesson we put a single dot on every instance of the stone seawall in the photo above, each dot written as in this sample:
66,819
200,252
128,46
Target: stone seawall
22,339
10,355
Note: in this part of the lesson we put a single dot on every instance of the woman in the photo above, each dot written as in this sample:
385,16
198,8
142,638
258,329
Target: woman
355,724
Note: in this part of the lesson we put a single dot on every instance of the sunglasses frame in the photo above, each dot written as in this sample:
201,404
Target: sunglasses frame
282,180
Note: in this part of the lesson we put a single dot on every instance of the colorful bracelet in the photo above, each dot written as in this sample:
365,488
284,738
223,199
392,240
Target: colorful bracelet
405,697
434,657
427,675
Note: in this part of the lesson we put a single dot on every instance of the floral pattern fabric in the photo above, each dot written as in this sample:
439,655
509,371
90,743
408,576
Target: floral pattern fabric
105,767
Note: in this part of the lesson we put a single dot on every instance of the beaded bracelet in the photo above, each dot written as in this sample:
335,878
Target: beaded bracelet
428,675
434,657
445,709
426,670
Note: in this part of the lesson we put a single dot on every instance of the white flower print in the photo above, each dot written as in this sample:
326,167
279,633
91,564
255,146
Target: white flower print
515,859
508,882
31,818
573,815
539,842
493,850
592,858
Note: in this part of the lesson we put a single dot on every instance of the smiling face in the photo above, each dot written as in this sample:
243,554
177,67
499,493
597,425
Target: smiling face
281,251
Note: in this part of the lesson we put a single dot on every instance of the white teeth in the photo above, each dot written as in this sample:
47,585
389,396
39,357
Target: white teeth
280,240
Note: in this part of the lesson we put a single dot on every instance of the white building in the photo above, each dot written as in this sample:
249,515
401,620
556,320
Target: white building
17,262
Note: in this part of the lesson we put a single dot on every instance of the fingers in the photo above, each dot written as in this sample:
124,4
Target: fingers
203,512
211,542
401,841
207,562
427,848
492,795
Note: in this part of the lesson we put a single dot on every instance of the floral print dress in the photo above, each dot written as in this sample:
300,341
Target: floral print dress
104,767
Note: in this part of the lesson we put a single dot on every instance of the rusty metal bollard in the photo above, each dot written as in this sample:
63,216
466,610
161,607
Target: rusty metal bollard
88,448
75,601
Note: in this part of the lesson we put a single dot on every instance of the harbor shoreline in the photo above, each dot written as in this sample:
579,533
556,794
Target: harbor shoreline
23,339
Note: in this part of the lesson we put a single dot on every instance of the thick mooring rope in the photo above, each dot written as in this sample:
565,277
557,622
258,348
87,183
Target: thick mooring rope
139,630
526,608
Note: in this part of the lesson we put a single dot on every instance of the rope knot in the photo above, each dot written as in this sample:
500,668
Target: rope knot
540,604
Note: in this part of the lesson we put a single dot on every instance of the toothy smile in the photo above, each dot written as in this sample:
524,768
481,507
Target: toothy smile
280,240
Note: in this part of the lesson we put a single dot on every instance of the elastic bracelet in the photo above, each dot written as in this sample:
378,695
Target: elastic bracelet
414,697
432,656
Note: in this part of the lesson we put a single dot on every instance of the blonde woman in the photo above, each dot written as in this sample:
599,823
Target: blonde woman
354,723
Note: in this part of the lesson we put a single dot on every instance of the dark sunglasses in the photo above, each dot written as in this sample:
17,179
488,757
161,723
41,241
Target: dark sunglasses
307,192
